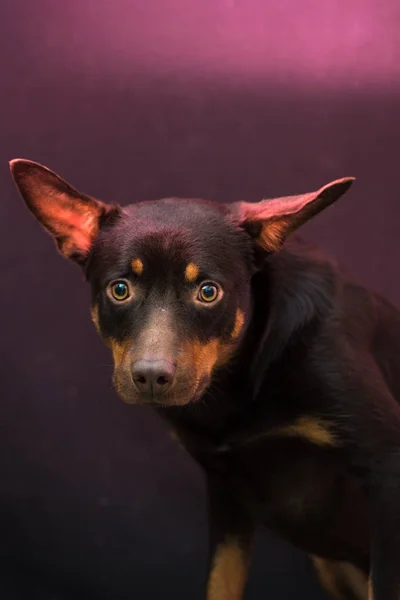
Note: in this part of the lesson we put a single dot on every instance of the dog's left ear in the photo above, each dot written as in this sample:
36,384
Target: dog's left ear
72,218
269,222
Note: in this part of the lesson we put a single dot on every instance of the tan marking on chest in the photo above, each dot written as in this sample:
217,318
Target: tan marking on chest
191,272
228,574
312,429
137,266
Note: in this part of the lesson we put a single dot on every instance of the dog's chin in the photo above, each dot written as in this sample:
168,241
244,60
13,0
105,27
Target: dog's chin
129,395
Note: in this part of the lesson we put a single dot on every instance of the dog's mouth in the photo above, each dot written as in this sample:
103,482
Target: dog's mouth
180,395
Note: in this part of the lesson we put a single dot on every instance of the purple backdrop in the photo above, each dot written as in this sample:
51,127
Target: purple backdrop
227,99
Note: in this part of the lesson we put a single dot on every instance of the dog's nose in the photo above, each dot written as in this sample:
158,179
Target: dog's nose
153,376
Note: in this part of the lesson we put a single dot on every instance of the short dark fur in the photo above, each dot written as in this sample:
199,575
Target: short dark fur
297,422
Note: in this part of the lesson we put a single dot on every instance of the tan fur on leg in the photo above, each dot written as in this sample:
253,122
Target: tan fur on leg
342,580
229,572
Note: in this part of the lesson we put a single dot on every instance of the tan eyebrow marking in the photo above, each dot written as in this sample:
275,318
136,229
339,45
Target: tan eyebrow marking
191,272
239,321
137,266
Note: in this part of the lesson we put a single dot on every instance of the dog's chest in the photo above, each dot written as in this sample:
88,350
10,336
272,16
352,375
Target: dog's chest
300,491
286,478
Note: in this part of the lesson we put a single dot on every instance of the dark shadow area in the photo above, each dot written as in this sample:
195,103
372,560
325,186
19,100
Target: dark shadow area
95,500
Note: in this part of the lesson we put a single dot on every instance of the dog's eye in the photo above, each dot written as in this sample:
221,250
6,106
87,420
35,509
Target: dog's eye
120,291
208,292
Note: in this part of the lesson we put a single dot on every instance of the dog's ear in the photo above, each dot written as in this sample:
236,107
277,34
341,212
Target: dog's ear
269,222
72,218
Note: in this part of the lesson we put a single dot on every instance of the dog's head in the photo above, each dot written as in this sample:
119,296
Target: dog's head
170,279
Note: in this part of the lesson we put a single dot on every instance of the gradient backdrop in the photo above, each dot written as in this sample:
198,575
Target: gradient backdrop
137,99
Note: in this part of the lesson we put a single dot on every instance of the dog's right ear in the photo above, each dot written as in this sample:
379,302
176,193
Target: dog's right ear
72,218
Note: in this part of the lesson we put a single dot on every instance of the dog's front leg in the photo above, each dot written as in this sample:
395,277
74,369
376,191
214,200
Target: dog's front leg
231,533
385,528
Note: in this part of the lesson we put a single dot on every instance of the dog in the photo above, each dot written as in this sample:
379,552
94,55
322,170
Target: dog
277,373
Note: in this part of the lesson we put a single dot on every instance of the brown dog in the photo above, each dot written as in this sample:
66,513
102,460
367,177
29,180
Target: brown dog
280,376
